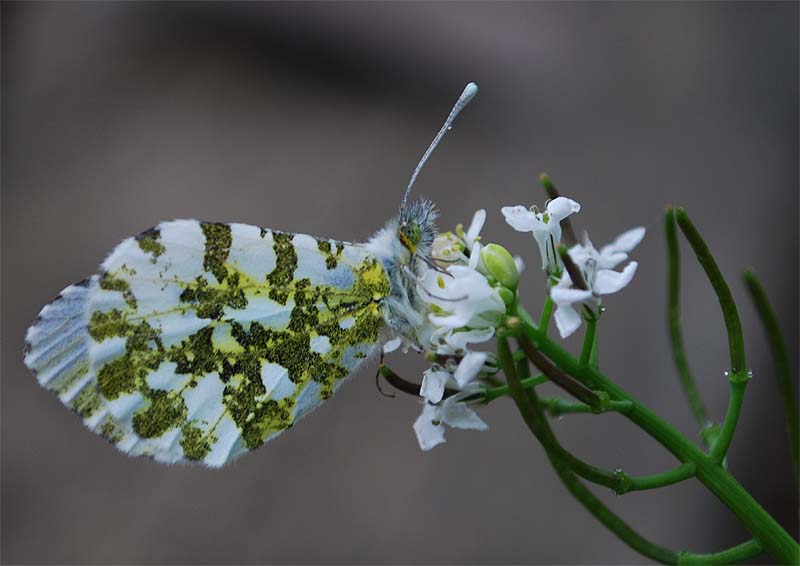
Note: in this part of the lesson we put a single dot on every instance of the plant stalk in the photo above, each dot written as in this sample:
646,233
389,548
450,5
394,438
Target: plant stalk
773,538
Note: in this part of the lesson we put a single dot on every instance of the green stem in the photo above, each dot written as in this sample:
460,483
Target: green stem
572,386
593,357
618,481
611,520
687,380
564,381
772,537
547,312
534,418
738,375
720,446
654,481
496,392
589,339
733,555
729,311
556,407
780,353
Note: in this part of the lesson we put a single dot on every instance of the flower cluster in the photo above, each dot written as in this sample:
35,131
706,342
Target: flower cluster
595,267
469,288
466,298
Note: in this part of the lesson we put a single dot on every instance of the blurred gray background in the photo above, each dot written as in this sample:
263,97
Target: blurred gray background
310,118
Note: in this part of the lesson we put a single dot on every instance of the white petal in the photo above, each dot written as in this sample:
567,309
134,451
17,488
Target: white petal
548,237
459,340
469,367
474,256
432,388
518,261
464,296
567,320
428,433
438,338
456,320
610,259
626,241
561,207
458,415
608,281
468,390
476,225
580,254
520,218
563,296
392,345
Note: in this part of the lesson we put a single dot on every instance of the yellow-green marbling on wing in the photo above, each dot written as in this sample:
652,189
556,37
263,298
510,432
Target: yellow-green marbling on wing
202,341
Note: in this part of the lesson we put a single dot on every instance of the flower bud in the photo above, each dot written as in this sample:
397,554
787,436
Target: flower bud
500,265
507,295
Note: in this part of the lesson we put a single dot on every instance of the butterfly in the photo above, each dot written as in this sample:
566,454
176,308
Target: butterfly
201,341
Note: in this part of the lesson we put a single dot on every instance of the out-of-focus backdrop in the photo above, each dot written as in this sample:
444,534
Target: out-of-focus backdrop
310,118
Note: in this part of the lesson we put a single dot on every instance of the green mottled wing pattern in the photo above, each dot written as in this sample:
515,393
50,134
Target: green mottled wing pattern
200,341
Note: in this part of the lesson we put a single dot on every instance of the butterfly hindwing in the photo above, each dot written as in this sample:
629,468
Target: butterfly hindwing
201,341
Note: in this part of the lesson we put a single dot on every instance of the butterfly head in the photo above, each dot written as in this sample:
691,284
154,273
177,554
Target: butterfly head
416,227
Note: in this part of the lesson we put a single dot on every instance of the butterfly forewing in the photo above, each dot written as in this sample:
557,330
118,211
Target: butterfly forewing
201,341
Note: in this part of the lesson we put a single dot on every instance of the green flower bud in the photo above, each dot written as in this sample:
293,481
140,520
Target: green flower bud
500,265
507,295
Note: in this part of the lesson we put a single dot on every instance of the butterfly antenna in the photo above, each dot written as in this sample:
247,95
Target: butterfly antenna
469,93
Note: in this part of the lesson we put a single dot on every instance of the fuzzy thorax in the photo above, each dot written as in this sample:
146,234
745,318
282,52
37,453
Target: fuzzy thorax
403,246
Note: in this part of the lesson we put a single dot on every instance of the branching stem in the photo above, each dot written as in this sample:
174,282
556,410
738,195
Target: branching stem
772,537
533,416
496,392
564,381
618,481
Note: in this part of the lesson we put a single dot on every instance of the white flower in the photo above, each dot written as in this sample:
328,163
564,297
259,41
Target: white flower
598,272
454,341
449,248
546,227
462,297
435,379
463,310
433,384
610,255
469,367
453,412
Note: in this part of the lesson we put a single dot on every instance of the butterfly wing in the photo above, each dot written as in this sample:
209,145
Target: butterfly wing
200,341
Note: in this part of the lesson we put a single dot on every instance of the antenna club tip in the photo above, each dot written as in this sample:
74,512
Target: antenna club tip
469,91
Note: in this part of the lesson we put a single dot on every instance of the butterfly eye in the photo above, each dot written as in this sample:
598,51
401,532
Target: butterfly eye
410,235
